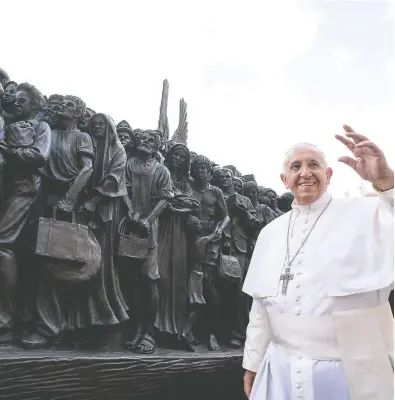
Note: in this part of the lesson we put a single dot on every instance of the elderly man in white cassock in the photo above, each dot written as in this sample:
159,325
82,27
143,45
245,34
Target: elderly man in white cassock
320,324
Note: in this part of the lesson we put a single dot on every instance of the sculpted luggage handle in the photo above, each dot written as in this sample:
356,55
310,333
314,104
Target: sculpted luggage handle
121,226
55,209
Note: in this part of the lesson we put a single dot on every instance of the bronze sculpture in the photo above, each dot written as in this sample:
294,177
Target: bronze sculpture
69,167
25,150
173,247
213,219
149,191
243,225
118,183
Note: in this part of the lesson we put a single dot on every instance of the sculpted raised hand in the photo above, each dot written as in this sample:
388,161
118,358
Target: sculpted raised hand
369,162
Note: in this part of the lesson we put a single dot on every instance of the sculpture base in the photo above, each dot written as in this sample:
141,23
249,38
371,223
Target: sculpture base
56,374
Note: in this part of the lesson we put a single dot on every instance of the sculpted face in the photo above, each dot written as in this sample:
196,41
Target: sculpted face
54,106
251,193
24,105
200,172
192,155
99,124
10,93
306,174
226,178
178,158
238,186
272,196
68,110
124,138
148,143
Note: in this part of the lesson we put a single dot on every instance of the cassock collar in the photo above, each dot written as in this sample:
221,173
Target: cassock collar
318,205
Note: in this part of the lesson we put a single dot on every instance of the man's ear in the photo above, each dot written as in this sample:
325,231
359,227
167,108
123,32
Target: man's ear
283,177
329,173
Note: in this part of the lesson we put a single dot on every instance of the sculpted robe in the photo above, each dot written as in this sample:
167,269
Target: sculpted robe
330,337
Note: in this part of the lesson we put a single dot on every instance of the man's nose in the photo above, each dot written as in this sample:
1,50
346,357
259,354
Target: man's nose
305,172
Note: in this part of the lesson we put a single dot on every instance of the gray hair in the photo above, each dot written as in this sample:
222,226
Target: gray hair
290,152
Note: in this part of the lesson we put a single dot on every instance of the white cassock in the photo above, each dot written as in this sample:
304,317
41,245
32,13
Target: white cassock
331,336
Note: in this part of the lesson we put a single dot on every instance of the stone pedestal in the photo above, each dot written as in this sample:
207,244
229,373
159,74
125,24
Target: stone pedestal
166,375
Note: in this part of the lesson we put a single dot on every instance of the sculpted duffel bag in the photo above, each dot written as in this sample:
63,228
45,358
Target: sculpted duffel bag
62,240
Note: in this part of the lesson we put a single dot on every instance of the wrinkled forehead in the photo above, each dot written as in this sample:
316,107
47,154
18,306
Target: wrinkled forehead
303,153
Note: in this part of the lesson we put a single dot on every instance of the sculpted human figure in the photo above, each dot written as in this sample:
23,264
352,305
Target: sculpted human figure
244,224
107,187
4,77
213,216
61,305
127,138
193,155
26,149
84,120
51,115
8,101
2,123
238,185
285,202
173,247
264,212
272,196
149,191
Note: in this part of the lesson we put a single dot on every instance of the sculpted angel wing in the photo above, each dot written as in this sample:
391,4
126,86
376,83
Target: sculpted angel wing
163,123
181,134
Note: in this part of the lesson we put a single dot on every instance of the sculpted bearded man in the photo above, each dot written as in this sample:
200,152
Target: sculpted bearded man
320,325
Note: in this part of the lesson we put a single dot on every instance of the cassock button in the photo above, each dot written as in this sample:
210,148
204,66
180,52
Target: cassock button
300,261
298,386
297,313
298,286
298,371
299,273
298,299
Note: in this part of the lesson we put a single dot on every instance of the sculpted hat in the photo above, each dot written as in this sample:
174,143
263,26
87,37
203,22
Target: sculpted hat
124,126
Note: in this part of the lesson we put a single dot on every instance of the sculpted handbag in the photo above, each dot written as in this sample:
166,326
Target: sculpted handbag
62,240
229,268
130,245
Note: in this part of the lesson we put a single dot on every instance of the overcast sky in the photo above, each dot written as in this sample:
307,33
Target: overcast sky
258,76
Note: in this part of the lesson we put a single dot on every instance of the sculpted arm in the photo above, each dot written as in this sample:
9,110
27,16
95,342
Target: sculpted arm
38,153
165,194
69,201
223,212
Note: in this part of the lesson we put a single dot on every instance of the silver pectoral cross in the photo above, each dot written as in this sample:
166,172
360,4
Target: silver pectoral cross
286,278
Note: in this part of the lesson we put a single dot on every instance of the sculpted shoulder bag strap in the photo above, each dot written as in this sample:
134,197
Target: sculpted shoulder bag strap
62,240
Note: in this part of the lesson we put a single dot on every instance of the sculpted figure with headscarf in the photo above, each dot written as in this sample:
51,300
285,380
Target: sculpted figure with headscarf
149,190
106,306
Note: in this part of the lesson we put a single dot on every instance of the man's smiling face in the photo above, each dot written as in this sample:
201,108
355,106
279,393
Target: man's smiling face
306,174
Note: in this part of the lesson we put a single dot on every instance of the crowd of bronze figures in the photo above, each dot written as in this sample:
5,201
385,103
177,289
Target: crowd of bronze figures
103,226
